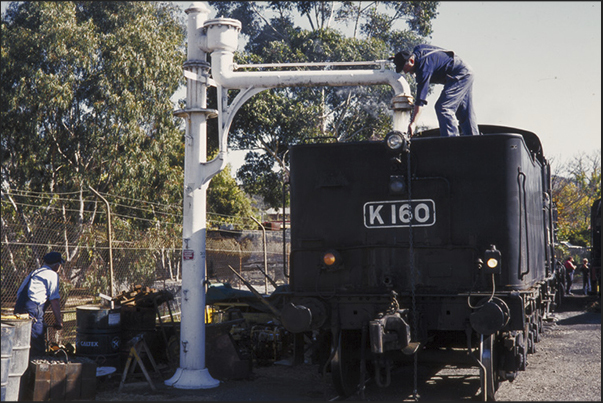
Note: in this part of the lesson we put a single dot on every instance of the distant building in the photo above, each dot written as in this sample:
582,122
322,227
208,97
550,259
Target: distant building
272,219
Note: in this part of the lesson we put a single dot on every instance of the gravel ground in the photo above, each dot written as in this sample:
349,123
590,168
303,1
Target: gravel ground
565,367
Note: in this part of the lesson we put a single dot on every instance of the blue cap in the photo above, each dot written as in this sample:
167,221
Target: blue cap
53,257
400,59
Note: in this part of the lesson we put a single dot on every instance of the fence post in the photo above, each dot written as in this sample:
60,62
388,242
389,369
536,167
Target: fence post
111,291
265,255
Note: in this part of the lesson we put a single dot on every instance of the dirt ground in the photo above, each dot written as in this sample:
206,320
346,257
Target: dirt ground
565,367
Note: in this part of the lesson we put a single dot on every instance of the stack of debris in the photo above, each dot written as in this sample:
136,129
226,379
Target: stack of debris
143,297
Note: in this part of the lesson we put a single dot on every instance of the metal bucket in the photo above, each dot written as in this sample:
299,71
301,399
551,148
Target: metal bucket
8,333
19,360
98,335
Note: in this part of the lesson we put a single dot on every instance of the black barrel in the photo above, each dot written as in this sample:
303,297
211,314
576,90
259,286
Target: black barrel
98,334
137,320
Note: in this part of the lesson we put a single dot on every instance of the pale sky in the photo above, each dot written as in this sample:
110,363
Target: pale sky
537,67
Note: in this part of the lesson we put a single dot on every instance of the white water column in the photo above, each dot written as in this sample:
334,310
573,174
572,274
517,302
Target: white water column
192,373
220,37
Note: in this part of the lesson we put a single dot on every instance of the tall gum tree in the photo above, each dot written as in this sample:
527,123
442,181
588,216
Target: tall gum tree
85,103
86,90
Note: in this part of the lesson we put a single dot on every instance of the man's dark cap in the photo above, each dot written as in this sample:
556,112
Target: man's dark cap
53,257
400,59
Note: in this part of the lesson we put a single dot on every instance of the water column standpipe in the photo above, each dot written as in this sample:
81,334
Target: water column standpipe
192,372
220,37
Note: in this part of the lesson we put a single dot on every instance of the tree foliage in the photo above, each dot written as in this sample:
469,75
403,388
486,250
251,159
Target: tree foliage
575,187
85,104
86,90
86,107
226,198
274,120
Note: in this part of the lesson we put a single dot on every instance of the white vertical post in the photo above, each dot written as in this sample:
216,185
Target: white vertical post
192,373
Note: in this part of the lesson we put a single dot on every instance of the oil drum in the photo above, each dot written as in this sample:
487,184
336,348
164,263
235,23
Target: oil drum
136,320
8,332
19,360
98,335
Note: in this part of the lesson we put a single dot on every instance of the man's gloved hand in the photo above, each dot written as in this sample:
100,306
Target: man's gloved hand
58,326
411,129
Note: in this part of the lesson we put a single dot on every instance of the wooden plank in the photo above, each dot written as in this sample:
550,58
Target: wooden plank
144,370
134,358
126,368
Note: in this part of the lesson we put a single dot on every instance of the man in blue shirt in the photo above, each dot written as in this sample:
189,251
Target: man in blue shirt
40,289
433,65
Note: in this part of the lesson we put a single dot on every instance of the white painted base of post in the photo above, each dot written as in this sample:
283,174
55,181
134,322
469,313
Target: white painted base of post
192,379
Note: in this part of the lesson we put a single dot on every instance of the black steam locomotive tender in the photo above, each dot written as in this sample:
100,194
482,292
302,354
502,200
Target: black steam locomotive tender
422,246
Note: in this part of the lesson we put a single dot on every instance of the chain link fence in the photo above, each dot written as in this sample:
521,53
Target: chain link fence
144,251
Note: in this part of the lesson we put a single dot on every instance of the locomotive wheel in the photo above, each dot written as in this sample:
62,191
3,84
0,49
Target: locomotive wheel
531,343
489,360
538,328
522,353
345,365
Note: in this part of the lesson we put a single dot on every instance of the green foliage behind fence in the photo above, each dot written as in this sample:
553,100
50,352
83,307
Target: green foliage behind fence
144,252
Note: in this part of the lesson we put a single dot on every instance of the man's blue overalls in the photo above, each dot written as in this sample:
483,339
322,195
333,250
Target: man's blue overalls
456,99
36,312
